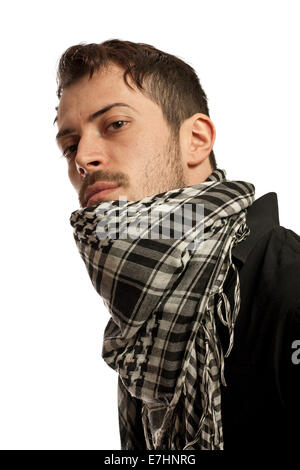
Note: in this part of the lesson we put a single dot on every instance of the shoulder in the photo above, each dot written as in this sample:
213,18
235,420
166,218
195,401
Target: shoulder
279,249
271,274
281,259
285,239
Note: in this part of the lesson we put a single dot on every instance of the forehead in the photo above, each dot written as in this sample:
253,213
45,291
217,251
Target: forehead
106,86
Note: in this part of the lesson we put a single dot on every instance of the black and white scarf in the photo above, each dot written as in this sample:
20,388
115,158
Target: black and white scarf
161,293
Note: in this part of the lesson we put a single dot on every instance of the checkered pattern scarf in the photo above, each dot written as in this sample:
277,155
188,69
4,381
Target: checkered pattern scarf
163,294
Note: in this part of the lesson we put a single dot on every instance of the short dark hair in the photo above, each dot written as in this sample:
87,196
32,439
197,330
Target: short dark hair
162,77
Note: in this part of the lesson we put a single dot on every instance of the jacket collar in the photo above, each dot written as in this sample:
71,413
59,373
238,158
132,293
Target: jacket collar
261,217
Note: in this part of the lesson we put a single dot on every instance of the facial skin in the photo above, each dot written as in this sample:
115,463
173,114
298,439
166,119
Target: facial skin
137,153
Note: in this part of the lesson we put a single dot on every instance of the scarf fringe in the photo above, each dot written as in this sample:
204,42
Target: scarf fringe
217,352
231,316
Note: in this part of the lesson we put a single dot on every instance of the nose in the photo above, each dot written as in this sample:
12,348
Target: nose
89,157
86,167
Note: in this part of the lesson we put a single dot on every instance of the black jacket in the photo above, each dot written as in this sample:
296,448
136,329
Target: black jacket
261,403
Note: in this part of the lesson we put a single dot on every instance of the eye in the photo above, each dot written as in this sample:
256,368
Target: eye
69,151
117,122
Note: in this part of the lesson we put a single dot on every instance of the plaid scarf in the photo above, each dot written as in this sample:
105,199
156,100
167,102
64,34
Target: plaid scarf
162,295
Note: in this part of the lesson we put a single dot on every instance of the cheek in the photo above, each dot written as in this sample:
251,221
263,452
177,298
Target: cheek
145,154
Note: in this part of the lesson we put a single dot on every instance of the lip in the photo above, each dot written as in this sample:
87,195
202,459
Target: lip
100,189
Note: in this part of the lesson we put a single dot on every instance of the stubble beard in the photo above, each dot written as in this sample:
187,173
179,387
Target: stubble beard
168,173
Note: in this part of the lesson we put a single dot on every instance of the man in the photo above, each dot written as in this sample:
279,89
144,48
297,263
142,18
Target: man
134,125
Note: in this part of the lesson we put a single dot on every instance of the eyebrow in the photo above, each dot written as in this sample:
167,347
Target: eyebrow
93,116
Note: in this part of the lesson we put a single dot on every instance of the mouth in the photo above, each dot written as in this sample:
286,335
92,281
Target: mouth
97,191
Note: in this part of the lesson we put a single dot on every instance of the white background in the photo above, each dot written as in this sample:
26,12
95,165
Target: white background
56,391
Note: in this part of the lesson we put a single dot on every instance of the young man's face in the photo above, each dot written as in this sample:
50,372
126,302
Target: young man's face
127,146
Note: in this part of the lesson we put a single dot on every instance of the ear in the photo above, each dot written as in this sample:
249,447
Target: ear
198,135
